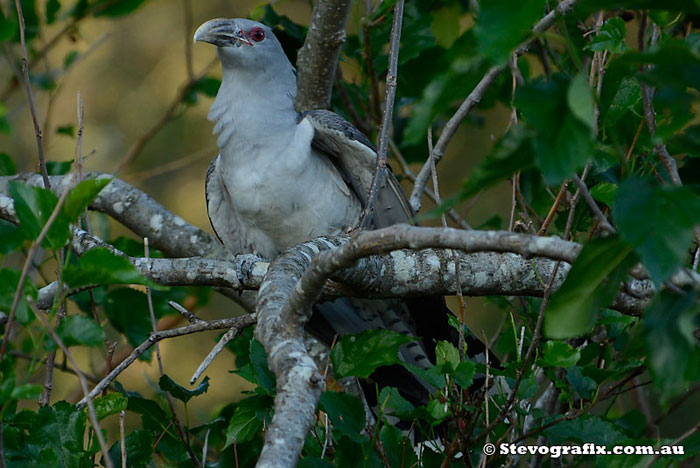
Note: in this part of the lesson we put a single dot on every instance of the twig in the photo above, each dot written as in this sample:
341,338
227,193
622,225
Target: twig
474,98
228,336
122,437
205,449
317,59
192,318
151,312
605,224
83,384
240,322
366,216
553,209
30,98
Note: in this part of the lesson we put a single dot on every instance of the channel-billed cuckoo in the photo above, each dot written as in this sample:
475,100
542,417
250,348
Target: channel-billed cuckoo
283,177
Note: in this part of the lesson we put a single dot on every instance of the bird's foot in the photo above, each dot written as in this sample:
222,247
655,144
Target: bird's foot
244,267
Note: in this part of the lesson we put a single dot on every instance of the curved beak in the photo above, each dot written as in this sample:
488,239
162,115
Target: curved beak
222,32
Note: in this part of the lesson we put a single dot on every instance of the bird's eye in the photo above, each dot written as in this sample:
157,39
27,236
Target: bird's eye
257,34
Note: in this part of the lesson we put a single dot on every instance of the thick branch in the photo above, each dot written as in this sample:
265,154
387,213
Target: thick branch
140,213
318,58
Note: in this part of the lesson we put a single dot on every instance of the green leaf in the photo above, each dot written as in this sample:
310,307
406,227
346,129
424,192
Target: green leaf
181,393
503,24
447,354
247,419
433,376
101,266
511,154
610,37
33,206
345,412
563,143
205,85
11,237
7,165
397,447
58,167
673,352
592,284
139,449
59,429
9,279
359,355
52,7
584,386
258,362
80,196
110,404
437,410
67,62
579,97
313,462
115,9
26,392
78,330
604,192
464,374
391,402
585,429
559,354
127,311
67,130
658,222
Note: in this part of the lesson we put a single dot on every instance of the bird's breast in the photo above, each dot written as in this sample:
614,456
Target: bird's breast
286,191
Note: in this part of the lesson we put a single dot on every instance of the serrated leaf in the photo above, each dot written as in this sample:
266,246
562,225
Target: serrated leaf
503,24
585,429
464,374
60,429
11,237
559,354
446,353
181,393
346,413
78,330
610,37
360,354
658,222
592,284
110,404
101,266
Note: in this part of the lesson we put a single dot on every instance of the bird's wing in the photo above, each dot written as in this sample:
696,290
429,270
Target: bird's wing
356,159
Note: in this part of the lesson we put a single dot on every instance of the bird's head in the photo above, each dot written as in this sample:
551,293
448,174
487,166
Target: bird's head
241,43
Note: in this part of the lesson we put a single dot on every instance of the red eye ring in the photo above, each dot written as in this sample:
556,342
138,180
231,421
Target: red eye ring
257,34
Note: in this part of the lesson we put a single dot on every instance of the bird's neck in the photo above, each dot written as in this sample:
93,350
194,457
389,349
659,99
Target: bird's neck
251,112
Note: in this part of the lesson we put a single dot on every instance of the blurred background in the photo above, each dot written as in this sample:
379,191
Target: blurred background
130,73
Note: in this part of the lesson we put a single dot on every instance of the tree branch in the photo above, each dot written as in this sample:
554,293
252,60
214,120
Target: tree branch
317,60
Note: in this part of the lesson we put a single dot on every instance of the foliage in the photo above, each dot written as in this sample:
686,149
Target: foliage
582,99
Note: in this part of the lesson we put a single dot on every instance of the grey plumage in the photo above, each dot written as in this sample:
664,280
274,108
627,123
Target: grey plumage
282,178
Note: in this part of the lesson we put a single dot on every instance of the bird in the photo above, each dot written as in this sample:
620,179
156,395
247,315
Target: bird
284,177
